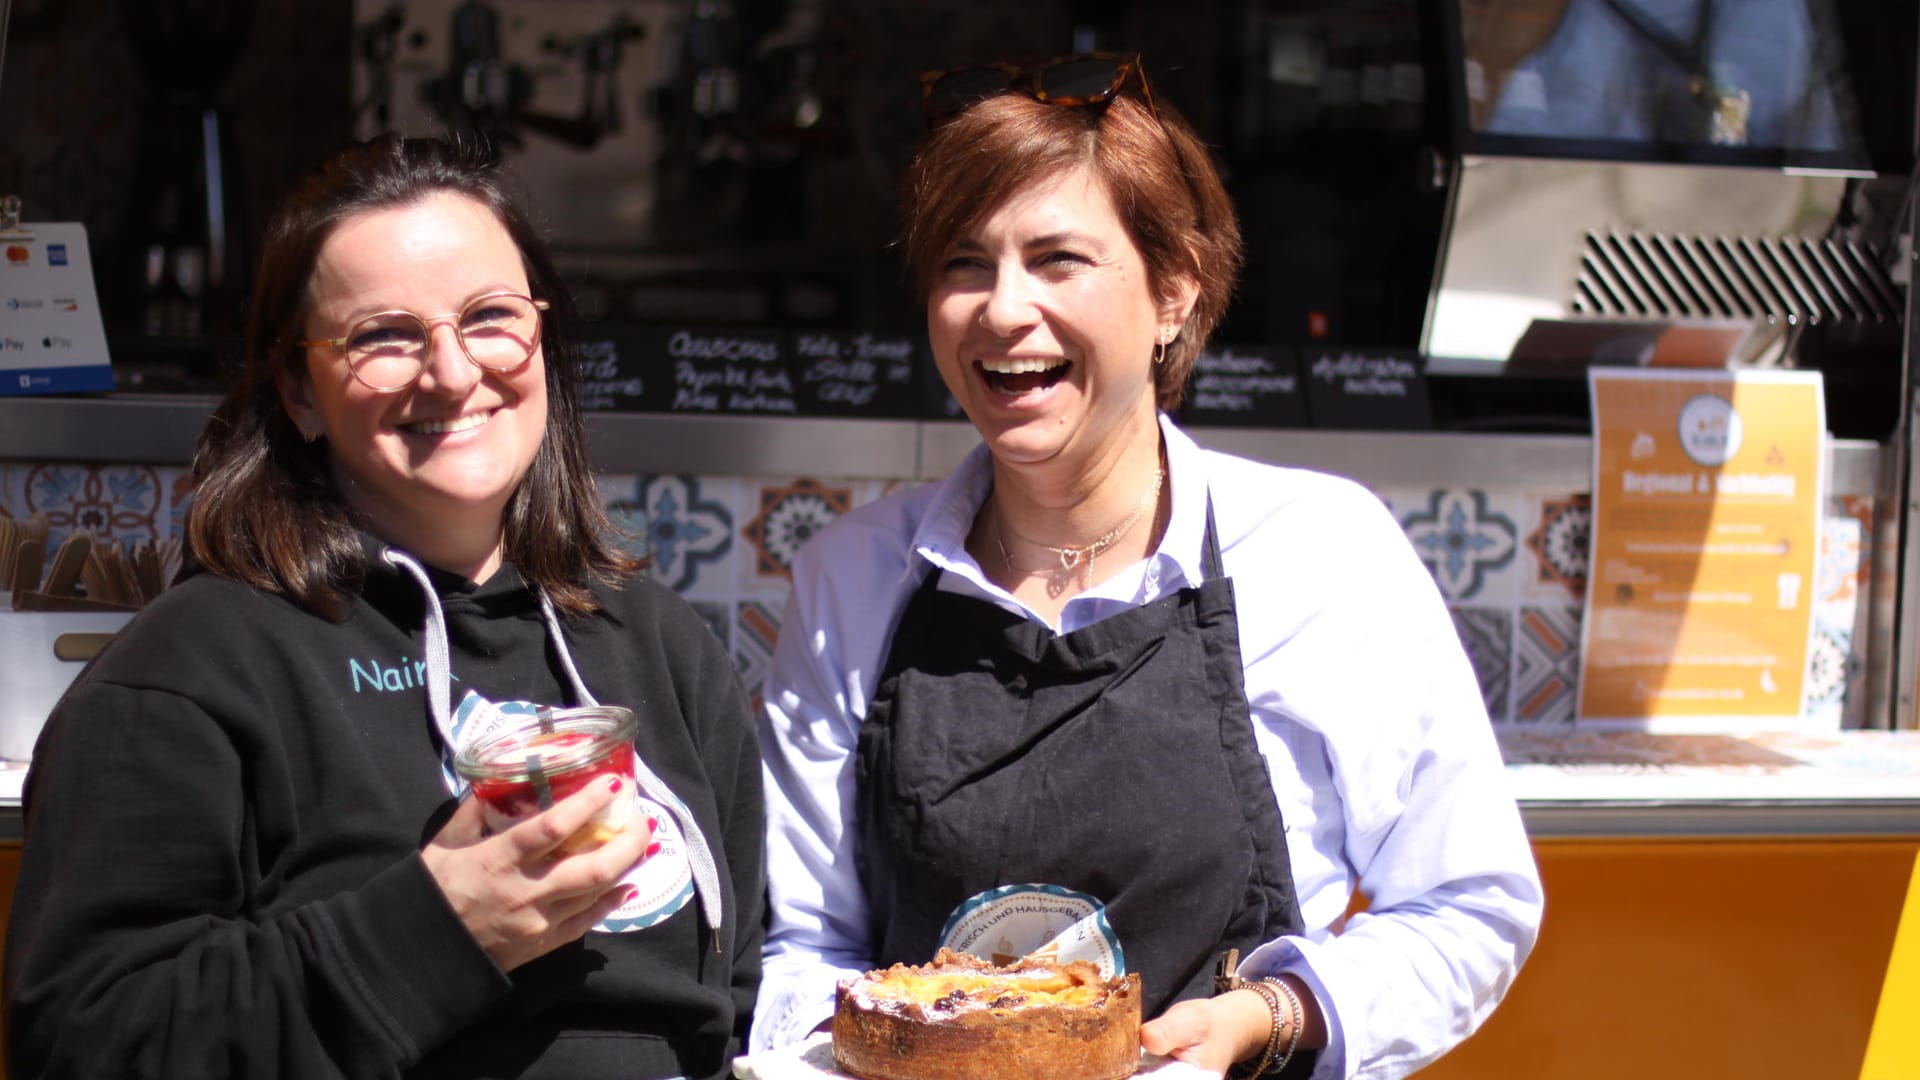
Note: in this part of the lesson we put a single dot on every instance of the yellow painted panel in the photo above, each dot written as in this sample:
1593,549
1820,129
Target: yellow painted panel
1699,959
1893,1050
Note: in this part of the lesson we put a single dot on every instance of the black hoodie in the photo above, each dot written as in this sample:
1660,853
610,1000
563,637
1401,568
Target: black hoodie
224,817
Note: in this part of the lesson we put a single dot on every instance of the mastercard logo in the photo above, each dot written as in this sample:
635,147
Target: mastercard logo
16,253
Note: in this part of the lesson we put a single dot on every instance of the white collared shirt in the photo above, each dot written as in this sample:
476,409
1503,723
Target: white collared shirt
1364,705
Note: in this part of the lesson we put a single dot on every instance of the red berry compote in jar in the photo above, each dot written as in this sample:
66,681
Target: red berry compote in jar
519,771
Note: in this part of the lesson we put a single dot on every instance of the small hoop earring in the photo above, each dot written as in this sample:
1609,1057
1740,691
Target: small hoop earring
1159,352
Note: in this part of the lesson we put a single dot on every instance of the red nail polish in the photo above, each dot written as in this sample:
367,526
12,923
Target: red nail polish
653,824
613,784
652,850
627,897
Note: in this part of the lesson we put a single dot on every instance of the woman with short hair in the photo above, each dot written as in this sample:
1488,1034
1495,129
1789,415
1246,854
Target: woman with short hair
1215,696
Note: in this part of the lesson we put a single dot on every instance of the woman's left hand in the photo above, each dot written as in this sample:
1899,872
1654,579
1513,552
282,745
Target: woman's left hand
1211,1033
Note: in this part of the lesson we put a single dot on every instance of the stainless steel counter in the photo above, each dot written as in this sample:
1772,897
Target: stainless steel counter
1623,783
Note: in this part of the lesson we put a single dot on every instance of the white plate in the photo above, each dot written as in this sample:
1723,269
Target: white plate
813,1059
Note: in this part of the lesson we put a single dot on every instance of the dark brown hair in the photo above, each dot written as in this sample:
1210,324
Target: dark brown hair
1155,168
265,508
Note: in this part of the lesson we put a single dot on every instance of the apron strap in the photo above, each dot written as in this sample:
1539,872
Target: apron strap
1210,563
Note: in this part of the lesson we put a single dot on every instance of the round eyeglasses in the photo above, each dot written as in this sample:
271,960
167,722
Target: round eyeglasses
387,352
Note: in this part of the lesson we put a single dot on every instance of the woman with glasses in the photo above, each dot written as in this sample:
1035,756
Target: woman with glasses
1215,698
246,853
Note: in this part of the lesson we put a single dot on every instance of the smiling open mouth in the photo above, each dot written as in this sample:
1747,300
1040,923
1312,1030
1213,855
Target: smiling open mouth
447,427
1020,375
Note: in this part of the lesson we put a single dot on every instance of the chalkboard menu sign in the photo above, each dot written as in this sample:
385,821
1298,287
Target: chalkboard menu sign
1370,389
611,374
728,371
1247,385
688,370
855,373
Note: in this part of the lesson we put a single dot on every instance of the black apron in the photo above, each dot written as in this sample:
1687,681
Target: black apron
1117,760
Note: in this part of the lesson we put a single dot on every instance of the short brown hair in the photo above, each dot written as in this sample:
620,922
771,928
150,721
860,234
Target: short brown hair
265,509
1155,168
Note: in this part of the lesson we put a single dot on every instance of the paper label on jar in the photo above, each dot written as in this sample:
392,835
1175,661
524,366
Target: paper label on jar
1045,922
663,880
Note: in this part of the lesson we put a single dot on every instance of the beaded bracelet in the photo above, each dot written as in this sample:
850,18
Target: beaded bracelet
1272,1060
1297,1017
1269,994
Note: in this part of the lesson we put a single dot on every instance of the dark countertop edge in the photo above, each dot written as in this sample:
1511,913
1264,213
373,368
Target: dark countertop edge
1722,819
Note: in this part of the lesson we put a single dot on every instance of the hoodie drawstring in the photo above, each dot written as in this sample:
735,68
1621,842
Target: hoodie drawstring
439,668
706,874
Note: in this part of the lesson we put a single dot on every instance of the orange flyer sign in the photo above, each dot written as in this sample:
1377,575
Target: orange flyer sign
1707,489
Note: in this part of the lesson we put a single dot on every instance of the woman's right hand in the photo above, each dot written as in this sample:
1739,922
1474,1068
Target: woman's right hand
518,894
1211,1033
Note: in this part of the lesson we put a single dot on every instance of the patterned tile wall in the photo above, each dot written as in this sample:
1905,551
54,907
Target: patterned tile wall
1511,563
1513,566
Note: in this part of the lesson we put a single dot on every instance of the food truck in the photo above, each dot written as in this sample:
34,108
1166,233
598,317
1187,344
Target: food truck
1468,223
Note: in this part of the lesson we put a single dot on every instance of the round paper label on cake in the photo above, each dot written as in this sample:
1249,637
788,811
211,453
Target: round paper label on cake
1045,922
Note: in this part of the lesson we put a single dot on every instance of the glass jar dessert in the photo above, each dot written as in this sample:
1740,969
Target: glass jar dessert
518,771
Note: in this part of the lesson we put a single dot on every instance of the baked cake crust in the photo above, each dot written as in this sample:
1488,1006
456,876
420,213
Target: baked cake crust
962,1018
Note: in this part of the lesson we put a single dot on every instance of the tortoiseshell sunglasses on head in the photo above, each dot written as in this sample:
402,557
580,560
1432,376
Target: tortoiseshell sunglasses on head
1081,79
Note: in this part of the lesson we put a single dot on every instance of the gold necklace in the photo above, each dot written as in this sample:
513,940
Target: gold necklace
1081,558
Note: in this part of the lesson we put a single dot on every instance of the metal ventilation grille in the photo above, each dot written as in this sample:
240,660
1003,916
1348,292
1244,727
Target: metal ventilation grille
1785,279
